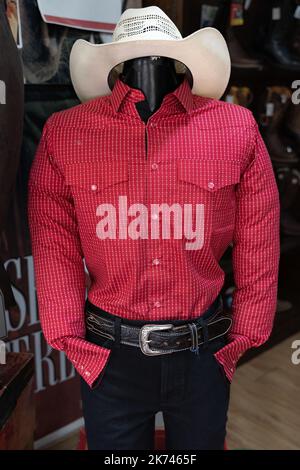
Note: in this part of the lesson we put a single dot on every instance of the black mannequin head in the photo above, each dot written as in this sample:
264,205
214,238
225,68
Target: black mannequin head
154,76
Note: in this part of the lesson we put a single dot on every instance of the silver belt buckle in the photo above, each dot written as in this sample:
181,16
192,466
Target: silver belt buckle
144,338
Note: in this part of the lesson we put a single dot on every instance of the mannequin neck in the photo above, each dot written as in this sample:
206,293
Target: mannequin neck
155,77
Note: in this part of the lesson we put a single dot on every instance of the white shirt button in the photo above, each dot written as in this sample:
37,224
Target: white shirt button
87,373
154,216
93,187
155,261
157,304
154,166
211,185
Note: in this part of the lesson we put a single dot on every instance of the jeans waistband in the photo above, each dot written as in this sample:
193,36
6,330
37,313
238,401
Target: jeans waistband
209,312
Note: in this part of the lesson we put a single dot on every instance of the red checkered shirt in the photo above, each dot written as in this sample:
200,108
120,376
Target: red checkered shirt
99,158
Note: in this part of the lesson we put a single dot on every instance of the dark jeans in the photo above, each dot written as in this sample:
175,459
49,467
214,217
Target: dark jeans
190,389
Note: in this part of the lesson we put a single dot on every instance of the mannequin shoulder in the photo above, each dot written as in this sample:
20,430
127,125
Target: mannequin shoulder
223,113
81,115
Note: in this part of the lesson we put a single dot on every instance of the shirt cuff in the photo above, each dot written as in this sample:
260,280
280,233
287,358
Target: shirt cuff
229,355
88,359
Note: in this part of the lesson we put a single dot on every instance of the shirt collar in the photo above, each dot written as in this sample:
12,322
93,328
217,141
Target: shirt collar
122,92
184,95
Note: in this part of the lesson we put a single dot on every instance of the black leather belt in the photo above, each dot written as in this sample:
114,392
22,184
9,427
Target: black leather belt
155,339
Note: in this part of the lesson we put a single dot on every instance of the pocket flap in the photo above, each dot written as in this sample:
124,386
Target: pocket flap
96,175
208,174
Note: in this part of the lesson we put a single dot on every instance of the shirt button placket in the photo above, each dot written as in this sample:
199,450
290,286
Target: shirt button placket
153,174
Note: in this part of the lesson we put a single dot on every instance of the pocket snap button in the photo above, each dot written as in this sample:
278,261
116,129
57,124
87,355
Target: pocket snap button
211,185
156,261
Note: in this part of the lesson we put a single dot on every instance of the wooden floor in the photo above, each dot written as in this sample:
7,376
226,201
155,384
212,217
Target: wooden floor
264,406
265,402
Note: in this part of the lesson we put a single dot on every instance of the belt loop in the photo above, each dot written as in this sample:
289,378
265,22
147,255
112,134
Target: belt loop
117,322
194,334
221,303
203,325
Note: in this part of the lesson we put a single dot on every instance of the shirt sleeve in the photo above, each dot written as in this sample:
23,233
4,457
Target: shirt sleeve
58,263
255,257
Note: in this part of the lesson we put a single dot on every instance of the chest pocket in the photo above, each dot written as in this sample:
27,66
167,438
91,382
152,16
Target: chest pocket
212,183
211,175
101,177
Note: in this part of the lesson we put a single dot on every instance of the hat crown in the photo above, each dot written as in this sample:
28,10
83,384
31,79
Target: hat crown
145,23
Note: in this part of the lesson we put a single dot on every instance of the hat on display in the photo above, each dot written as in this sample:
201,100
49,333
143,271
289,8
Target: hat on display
144,32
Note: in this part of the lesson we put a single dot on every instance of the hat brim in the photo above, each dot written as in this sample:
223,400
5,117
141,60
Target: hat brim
204,53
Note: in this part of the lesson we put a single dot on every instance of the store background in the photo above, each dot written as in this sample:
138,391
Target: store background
257,33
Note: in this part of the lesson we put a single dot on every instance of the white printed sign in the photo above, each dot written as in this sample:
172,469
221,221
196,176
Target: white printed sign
94,15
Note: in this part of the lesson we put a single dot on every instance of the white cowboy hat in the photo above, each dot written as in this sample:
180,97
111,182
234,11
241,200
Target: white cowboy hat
143,32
